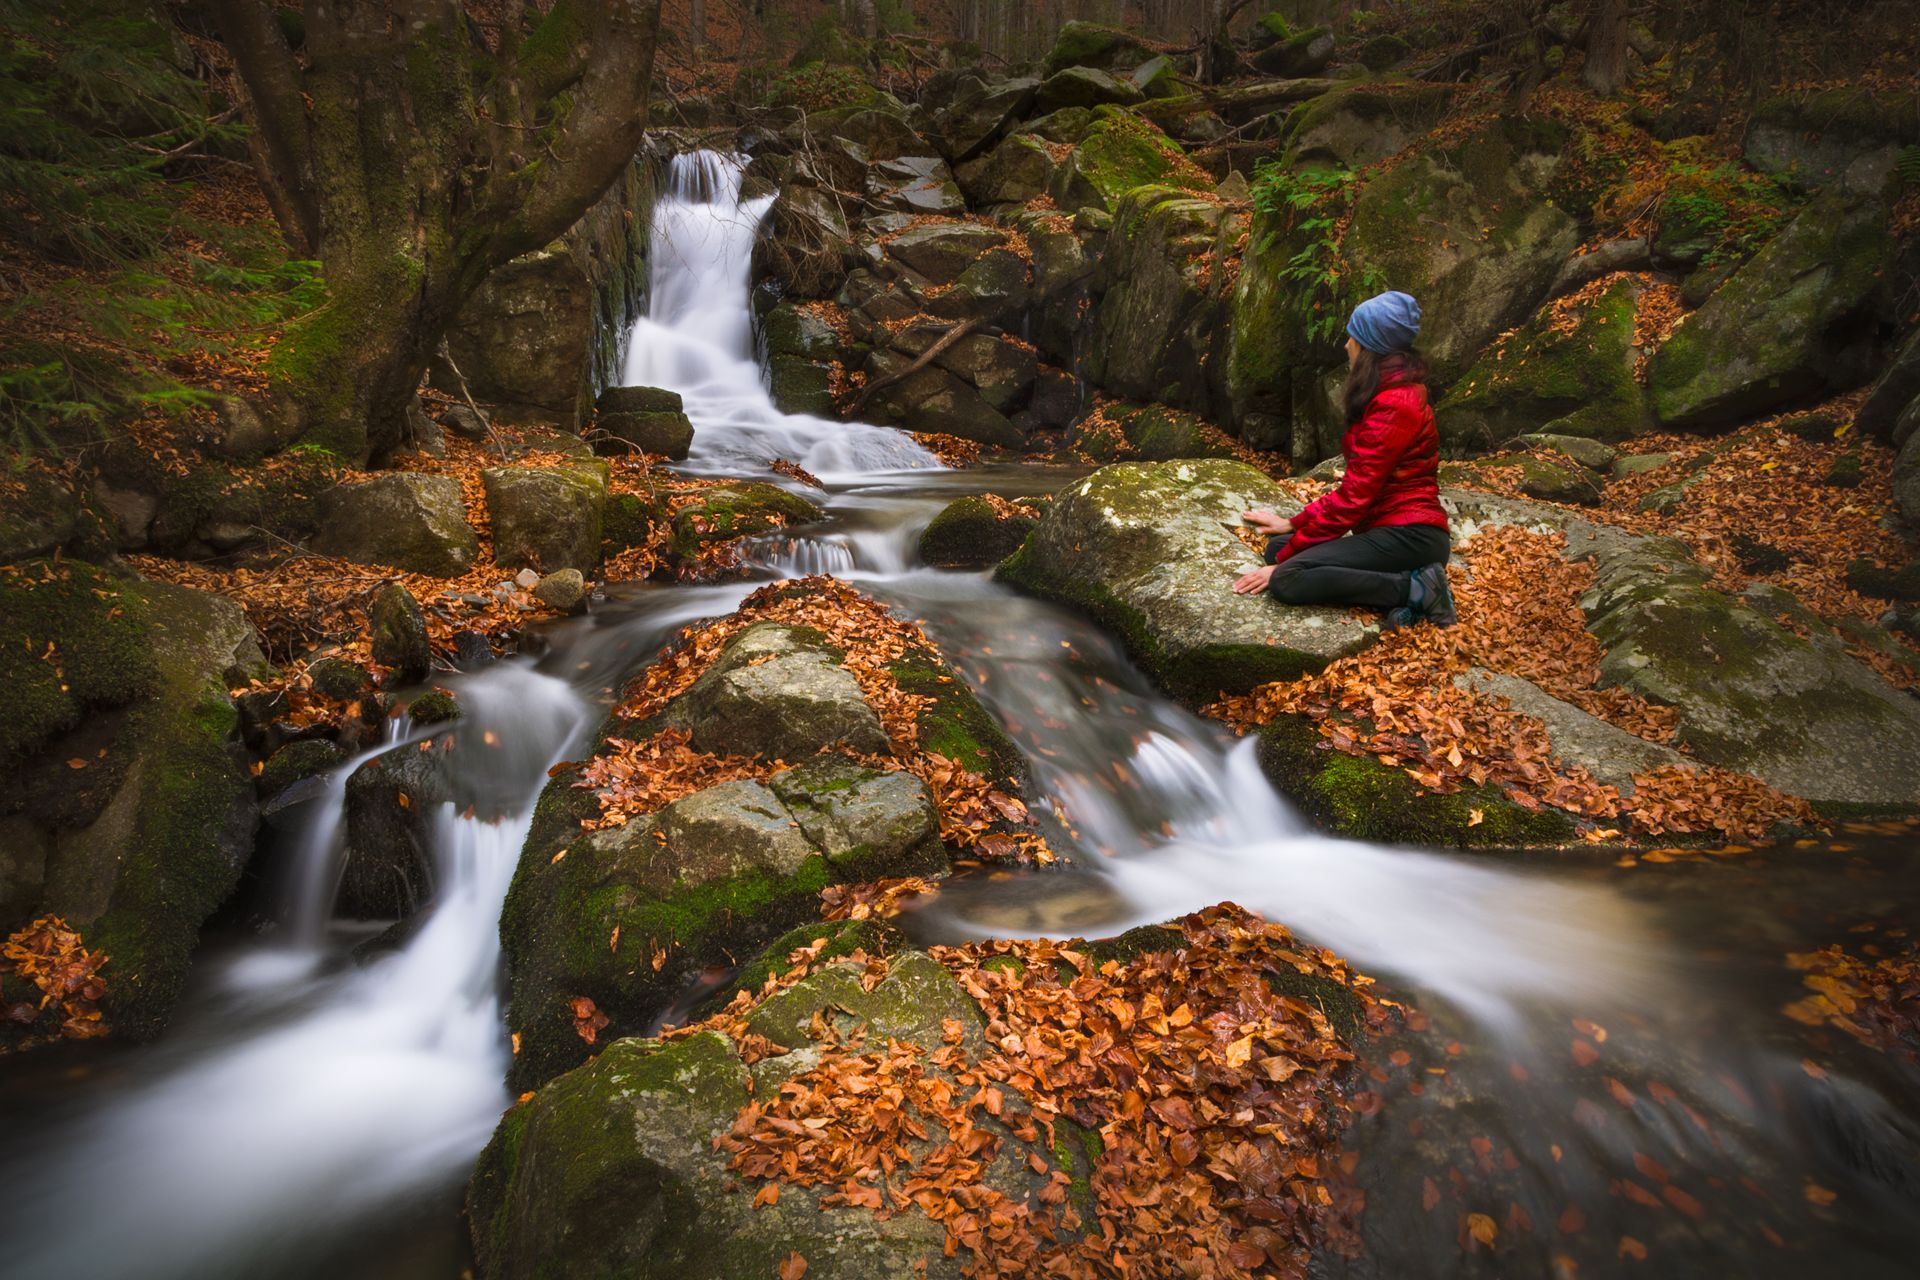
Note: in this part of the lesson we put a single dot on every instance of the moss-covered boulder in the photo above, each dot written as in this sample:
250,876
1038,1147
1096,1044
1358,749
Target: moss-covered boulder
1794,321
1360,124
1084,87
139,845
1569,372
405,520
1534,476
1762,685
391,809
523,342
627,916
1299,54
940,251
1088,44
1159,322
1469,229
741,509
546,518
1363,799
1015,172
1849,138
1122,151
972,533
611,1170
778,692
968,114
1126,431
936,399
646,419
296,762
1145,549
801,348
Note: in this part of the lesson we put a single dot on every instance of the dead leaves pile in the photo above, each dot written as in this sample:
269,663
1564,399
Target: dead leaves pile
52,958
638,776
1875,997
1207,1103
1519,615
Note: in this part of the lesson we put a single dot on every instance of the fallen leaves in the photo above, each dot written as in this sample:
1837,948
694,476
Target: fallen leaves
50,956
1873,998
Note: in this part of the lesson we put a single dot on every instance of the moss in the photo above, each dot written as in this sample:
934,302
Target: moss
1361,798
740,509
1123,151
628,521
1077,1150
1158,434
339,678
843,938
1146,939
435,706
296,762
1005,964
1337,1003
1088,44
970,533
67,643
955,725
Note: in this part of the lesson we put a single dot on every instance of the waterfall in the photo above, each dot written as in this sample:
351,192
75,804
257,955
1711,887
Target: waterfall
697,339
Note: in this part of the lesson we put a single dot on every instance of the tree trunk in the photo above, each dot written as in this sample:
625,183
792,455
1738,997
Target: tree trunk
411,161
1606,68
697,25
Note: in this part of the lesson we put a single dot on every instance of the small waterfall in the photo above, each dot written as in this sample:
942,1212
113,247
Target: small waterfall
697,339
343,1093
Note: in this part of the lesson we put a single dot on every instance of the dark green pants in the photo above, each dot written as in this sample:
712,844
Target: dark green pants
1369,568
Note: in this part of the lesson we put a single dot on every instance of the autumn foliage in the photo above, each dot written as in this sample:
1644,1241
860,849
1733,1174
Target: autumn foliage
50,956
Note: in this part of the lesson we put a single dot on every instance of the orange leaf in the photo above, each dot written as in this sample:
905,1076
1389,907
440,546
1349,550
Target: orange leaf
793,1266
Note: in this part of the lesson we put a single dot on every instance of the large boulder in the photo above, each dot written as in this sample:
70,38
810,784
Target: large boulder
614,1166
137,848
1088,44
1763,686
973,533
1121,151
1906,469
1795,321
626,917
546,518
1150,432
1891,410
1569,372
408,520
1846,138
1145,549
1083,87
524,340
1361,124
801,349
781,693
1159,325
647,419
740,509
935,399
940,251
807,244
1300,54
978,113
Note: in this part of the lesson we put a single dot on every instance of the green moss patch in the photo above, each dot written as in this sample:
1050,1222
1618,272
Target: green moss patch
71,638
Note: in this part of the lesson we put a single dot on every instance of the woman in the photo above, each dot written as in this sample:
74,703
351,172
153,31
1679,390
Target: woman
1395,555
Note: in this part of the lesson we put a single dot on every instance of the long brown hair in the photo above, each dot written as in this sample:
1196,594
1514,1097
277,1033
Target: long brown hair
1364,375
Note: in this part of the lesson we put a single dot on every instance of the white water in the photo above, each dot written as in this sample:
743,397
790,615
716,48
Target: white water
362,1086
697,339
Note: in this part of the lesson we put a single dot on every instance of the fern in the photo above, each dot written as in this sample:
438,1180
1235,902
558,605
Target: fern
1313,203
1907,166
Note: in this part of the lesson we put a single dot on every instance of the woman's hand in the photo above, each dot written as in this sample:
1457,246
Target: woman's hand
1254,582
1268,522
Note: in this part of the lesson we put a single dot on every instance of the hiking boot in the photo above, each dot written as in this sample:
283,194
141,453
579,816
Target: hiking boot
1397,618
1430,598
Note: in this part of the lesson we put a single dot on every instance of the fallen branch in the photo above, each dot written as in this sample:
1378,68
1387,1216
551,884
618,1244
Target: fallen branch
947,339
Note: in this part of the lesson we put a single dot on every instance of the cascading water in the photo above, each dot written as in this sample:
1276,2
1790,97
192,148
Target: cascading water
697,339
302,1098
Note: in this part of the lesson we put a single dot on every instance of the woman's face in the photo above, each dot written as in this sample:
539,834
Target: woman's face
1353,351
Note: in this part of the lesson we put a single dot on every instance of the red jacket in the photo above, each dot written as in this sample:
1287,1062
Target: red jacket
1393,471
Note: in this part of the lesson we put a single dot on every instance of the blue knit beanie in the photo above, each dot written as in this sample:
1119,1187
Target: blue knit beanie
1386,323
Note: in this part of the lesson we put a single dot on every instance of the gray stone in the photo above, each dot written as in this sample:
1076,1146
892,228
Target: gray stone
243,435
1362,124
1843,138
1610,754
980,113
778,694
1146,549
407,520
1591,454
390,804
1084,87
864,819
1305,53
546,517
941,251
464,422
1633,464
524,340
1016,171
423,433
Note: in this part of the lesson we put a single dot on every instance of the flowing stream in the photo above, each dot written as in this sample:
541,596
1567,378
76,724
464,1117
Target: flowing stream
314,1113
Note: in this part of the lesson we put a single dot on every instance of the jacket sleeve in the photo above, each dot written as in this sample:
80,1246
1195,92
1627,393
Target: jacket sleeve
1378,443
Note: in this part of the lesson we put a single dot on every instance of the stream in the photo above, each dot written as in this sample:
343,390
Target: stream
315,1113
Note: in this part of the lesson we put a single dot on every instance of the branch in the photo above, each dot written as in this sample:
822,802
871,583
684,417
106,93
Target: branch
273,80
925,358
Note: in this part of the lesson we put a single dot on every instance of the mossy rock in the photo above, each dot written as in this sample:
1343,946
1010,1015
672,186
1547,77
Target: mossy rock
1120,152
1363,123
1567,382
1787,326
1088,44
1360,798
149,839
629,520
435,706
296,762
739,509
547,518
1155,433
72,638
970,533
842,939
954,724
341,679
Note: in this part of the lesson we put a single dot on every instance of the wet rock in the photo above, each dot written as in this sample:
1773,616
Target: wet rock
546,517
647,419
471,651
405,520
391,802
435,706
741,509
1791,323
808,245
296,762
971,533
399,633
801,349
934,399
564,590
636,1127
138,849
1145,549
867,822
780,693
341,679
941,251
